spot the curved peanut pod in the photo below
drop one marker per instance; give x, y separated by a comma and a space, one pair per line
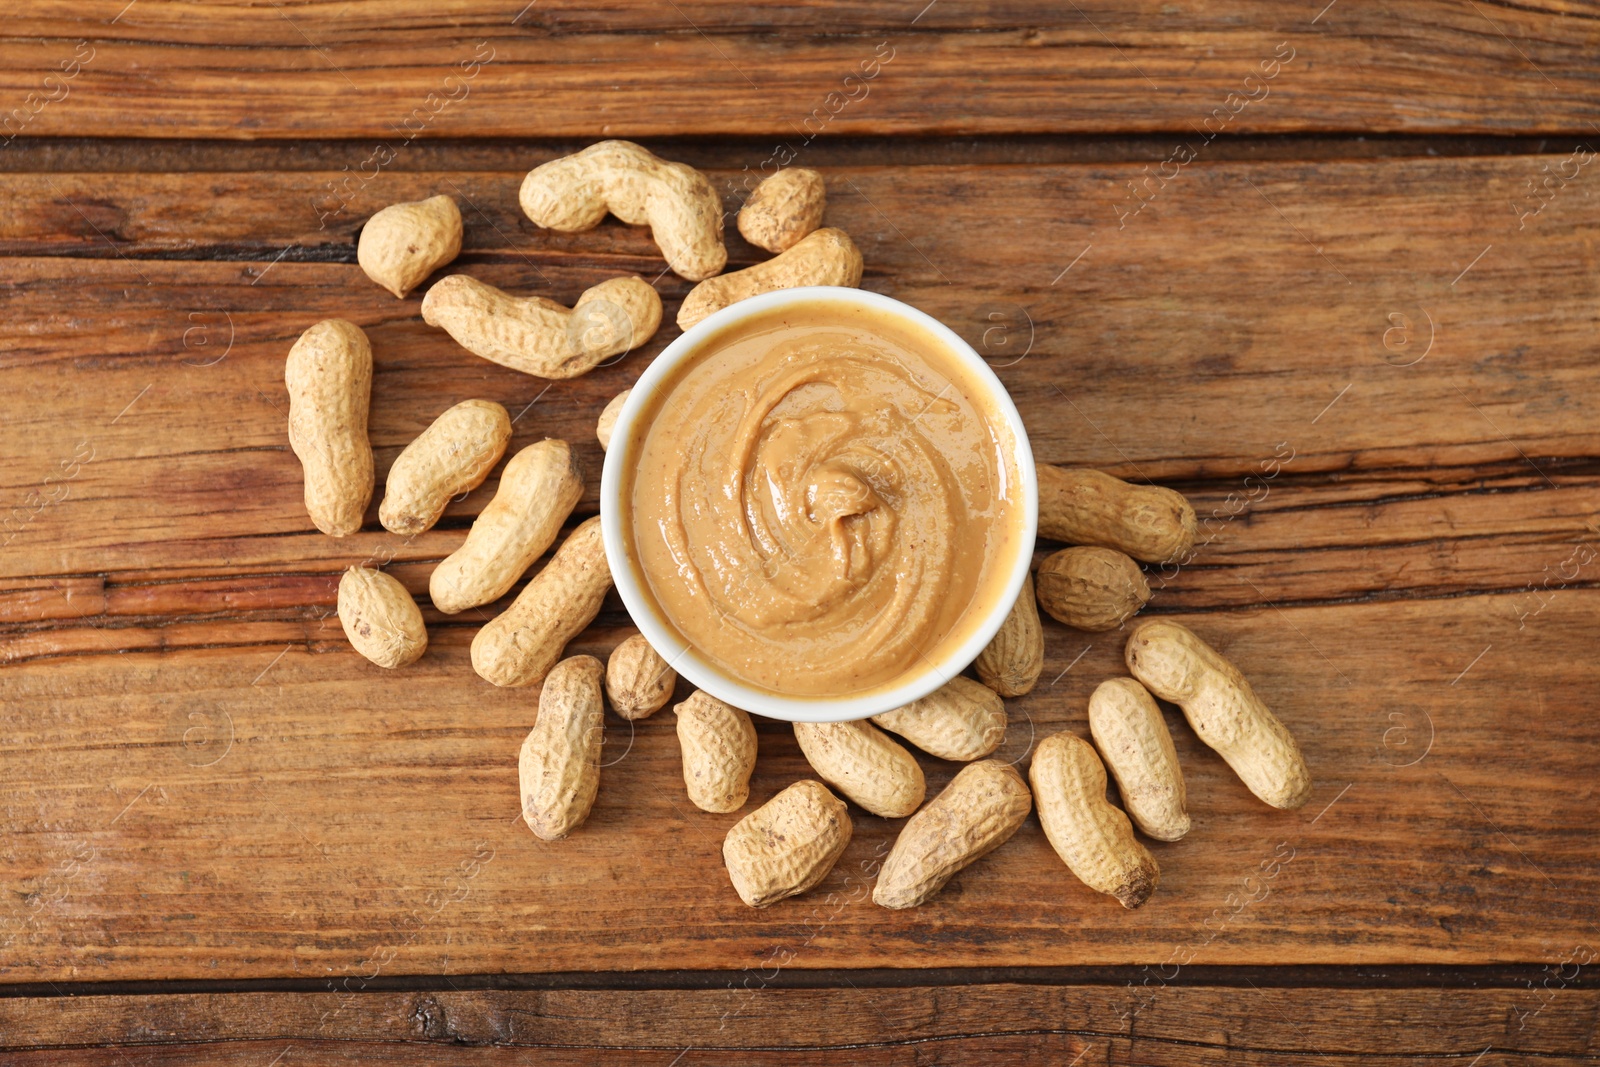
404, 243
521, 645
559, 765
783, 209
981, 808
961, 720
329, 375
825, 257
1225, 712
638, 681
608, 418
452, 456
1091, 588
787, 845
538, 490
1092, 837
676, 201
379, 617
1011, 662
538, 336
1132, 737
719, 752
865, 764
1085, 507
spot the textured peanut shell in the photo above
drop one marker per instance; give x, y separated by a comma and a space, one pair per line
559, 765
787, 845
608, 418
521, 645
719, 752
865, 764
452, 456
1092, 836
961, 720
1132, 737
538, 336
1085, 507
1091, 588
981, 808
825, 257
638, 681
676, 201
783, 209
404, 243
538, 490
379, 617
329, 375
1010, 663
1225, 712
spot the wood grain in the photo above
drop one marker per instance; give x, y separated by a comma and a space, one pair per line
160, 68
985, 1024
211, 814
199, 780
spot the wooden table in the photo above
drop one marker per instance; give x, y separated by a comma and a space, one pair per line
1329, 270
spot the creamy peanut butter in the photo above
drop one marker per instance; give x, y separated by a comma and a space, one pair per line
820, 503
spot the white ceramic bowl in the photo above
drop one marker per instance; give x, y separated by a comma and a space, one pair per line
665, 638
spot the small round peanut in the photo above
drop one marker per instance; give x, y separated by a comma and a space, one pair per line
1089, 588
783, 209
404, 243
379, 617
638, 681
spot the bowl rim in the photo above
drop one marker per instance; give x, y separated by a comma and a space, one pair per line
684, 658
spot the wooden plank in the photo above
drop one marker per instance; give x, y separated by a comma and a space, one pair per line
1198, 345
984, 1024
207, 814
159, 68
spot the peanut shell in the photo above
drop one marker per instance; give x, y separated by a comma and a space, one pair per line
865, 764
719, 752
784, 208
980, 810
961, 720
1085, 507
329, 376
379, 617
638, 681
1093, 838
1132, 737
825, 257
787, 845
404, 243
608, 418
1174, 664
1011, 662
521, 645
452, 456
1091, 588
559, 765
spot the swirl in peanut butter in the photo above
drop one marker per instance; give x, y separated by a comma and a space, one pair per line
819, 505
